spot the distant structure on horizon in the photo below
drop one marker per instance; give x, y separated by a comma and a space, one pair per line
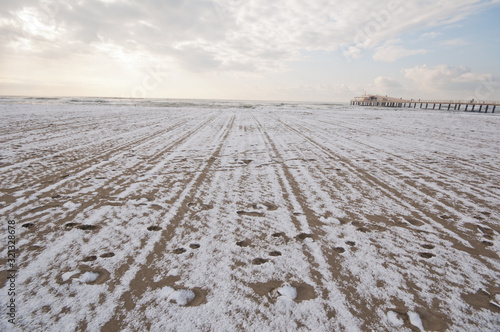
384, 101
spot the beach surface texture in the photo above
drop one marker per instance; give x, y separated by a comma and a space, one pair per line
158, 215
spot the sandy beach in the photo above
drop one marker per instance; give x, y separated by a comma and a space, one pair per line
249, 217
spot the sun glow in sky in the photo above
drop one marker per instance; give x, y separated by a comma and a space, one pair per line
253, 49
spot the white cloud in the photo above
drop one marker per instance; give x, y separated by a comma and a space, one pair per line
232, 35
456, 81
223, 38
430, 35
386, 82
442, 76
454, 42
391, 51
384, 85
470, 77
352, 52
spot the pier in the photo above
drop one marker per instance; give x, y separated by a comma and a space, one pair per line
457, 105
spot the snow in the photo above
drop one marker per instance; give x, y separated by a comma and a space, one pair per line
67, 275
287, 291
496, 301
350, 212
88, 277
415, 320
71, 205
394, 319
180, 296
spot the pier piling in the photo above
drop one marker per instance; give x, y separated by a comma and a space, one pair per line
381, 101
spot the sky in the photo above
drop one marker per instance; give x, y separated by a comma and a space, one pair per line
315, 50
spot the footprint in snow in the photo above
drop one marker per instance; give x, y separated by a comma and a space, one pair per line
199, 206
178, 296
87, 227
426, 255
259, 261
258, 209
250, 213
399, 318
264, 206
285, 290
70, 225
303, 236
89, 258
183, 296
244, 243
279, 234
487, 232
274, 290
83, 227
86, 275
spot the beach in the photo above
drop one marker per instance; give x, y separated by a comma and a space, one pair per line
158, 215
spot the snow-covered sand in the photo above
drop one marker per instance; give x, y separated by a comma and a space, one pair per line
230, 216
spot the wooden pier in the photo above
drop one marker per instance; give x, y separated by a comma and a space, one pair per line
458, 105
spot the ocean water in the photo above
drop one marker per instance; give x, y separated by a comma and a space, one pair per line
166, 102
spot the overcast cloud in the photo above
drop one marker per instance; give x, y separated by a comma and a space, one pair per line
102, 47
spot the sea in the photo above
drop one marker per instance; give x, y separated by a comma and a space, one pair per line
170, 103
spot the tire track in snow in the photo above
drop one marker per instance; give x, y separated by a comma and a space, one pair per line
50, 226
211, 267
362, 308
458, 142
69, 242
262, 185
450, 232
428, 193
84, 171
114, 148
370, 305
70, 132
61, 172
365, 303
408, 280
139, 276
411, 164
442, 154
336, 303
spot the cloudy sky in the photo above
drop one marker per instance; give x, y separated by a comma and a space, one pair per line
317, 50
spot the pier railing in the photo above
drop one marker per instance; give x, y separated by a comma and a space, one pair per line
467, 105
470, 102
